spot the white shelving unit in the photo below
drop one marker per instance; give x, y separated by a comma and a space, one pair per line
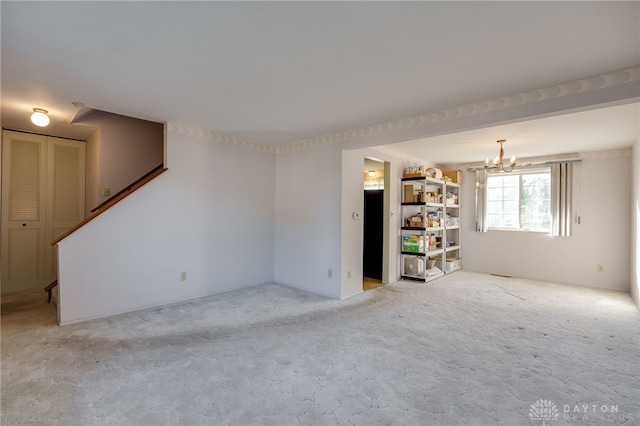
430, 232
453, 261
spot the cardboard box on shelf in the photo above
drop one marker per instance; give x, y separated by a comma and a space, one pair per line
454, 175
408, 193
412, 175
414, 221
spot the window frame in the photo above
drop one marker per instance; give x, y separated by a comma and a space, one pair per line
523, 171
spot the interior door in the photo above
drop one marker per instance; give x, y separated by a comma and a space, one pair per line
373, 234
65, 195
24, 194
43, 180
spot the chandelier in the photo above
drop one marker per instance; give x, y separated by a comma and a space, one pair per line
498, 163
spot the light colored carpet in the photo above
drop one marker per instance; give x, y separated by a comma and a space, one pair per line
467, 349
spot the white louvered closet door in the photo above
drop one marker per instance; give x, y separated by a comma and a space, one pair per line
65, 195
42, 181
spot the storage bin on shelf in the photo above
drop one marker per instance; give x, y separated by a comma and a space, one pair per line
413, 243
451, 264
413, 266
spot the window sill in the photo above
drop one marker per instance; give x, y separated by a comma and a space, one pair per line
529, 231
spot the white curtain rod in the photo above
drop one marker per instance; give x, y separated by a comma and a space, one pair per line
544, 163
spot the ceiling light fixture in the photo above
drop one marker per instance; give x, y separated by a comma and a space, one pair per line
371, 173
498, 163
40, 117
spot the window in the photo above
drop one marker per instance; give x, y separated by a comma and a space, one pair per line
520, 200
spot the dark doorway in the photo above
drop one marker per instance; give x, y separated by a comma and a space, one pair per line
373, 234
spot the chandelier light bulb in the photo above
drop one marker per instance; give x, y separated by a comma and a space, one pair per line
40, 117
498, 163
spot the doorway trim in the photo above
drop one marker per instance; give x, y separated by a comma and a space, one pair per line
386, 223
386, 220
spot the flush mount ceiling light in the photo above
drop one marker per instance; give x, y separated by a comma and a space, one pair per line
498, 163
40, 117
371, 173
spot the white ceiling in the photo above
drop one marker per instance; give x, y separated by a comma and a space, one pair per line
608, 128
279, 72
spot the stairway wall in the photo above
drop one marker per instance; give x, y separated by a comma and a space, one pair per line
210, 215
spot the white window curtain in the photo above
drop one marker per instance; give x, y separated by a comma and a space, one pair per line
481, 201
564, 177
562, 183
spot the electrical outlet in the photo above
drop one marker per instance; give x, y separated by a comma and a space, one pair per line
600, 268
330, 273
106, 191
348, 275
183, 276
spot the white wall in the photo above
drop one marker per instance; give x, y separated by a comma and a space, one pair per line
352, 230
352, 201
122, 150
232, 217
603, 237
337, 243
317, 192
211, 215
635, 218
307, 223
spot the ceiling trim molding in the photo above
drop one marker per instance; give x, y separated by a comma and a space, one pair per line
400, 155
599, 82
603, 81
208, 135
